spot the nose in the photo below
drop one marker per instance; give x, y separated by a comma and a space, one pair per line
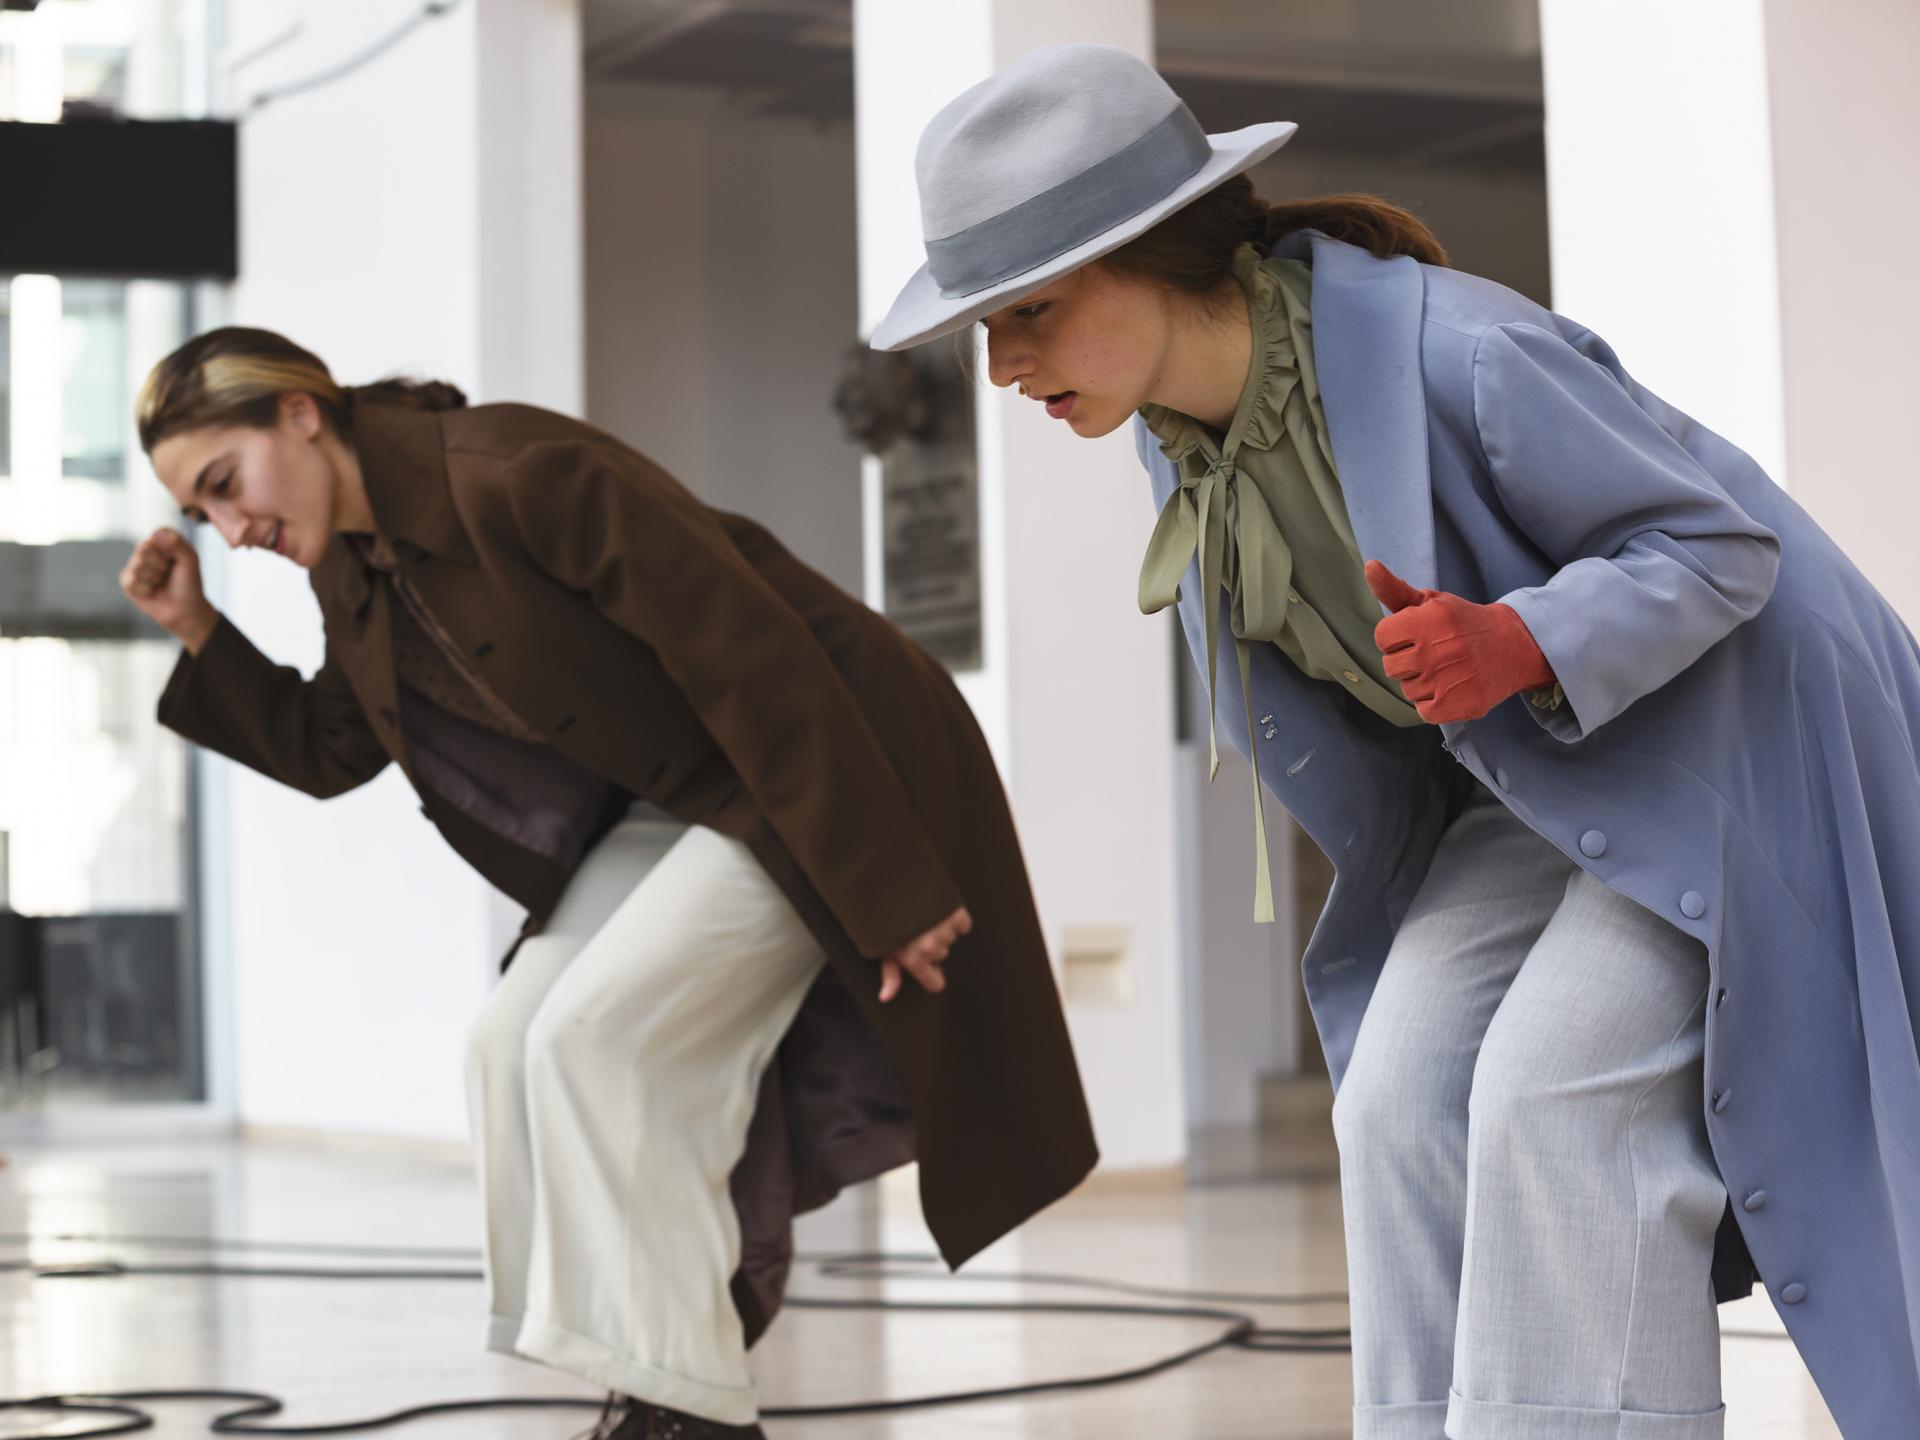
232, 527
1007, 363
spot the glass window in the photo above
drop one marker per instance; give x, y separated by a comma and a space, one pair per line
94, 398
94, 828
95, 73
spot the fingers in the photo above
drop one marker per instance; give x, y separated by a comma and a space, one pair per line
1389, 589
923, 958
926, 969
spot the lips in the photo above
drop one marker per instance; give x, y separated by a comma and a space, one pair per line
277, 541
1060, 405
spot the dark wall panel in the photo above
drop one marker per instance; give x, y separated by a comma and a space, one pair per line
147, 199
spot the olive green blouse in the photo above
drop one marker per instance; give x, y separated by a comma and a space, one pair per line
1262, 508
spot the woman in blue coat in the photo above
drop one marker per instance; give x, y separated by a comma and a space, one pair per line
1612, 748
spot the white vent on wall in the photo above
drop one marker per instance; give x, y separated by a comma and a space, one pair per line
1097, 965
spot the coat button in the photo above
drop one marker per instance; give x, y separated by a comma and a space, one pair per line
1720, 1100
1350, 677
388, 718
1500, 777
1794, 1293
1693, 904
485, 649
1756, 1201
1720, 997
1293, 597
563, 724
1593, 844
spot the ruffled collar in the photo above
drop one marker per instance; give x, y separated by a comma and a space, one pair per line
1258, 421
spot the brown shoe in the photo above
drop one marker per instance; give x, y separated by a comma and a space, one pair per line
632, 1419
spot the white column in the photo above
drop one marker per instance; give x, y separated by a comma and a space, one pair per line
1722, 180
1845, 113
419, 215
1660, 202
1077, 690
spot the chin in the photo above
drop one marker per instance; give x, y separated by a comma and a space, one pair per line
1092, 424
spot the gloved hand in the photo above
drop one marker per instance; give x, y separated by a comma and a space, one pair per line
1454, 659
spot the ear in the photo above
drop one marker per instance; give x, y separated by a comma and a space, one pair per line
300, 413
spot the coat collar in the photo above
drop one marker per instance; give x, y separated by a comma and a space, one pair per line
403, 461
1366, 340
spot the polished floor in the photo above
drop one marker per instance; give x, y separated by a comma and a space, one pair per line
1255, 1221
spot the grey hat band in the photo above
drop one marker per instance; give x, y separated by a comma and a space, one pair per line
1125, 184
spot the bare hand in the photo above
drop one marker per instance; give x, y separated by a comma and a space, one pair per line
162, 579
923, 958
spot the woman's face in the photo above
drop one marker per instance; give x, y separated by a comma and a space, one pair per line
273, 488
1090, 346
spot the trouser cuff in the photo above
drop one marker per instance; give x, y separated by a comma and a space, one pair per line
502, 1331
1483, 1420
1418, 1420
594, 1363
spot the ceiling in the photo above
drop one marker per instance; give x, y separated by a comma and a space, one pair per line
1455, 84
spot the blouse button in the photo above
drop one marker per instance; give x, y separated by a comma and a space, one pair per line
1293, 597
1350, 677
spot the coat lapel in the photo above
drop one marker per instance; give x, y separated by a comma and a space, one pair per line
403, 463
1366, 342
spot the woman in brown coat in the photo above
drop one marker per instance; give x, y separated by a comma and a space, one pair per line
737, 805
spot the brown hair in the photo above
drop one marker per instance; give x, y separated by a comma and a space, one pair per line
1192, 249
236, 376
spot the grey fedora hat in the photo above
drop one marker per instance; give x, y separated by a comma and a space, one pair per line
1065, 155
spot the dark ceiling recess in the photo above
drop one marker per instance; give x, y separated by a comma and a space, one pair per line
18, 4
794, 59
125, 198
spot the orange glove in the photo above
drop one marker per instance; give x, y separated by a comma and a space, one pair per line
1454, 659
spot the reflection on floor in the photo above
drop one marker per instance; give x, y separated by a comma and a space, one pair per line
337, 1351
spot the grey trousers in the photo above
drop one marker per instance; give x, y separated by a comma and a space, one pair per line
1529, 1194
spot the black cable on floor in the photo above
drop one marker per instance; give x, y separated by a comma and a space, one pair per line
1239, 1330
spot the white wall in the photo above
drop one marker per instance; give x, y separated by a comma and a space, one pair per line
721, 277
1660, 183
1845, 114
1077, 690
414, 216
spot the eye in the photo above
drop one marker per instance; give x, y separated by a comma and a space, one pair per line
222, 485
1033, 311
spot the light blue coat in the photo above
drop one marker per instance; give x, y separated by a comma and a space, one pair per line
1737, 754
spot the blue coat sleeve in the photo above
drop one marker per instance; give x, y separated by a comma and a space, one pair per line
1655, 561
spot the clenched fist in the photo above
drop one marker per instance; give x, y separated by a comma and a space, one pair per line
162, 579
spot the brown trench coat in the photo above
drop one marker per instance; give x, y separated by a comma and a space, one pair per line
686, 656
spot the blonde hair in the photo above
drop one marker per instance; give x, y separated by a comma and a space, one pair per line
236, 375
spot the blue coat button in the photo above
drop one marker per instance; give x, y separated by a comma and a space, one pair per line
1693, 904
1720, 1100
1756, 1201
1500, 777
1593, 844
1794, 1293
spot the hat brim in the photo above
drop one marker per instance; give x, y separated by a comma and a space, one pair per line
921, 313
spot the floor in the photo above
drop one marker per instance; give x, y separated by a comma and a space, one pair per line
1254, 1221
